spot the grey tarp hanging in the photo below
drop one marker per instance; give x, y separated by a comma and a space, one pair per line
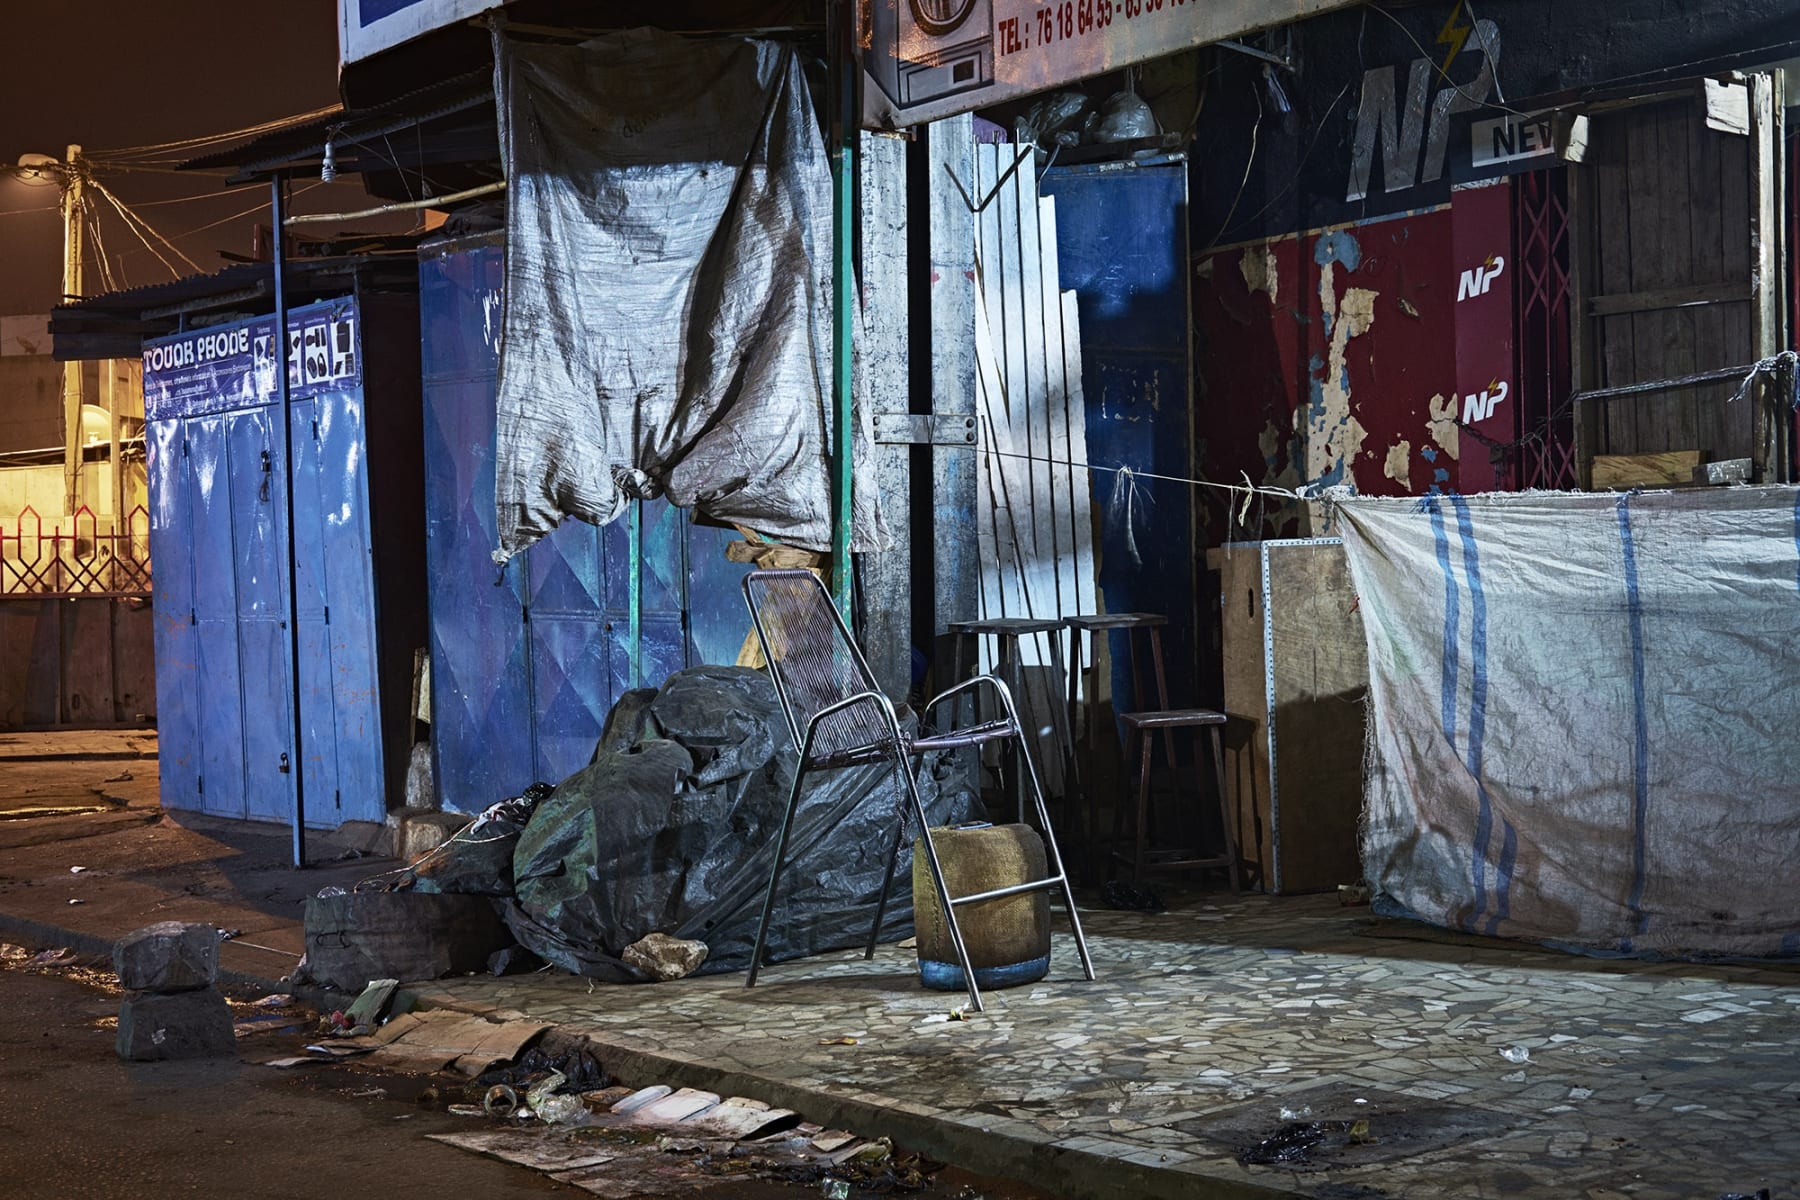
667, 321
1584, 715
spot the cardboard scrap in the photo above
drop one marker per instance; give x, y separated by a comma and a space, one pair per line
529, 1148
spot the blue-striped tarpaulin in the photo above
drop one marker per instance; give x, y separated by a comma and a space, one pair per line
1585, 715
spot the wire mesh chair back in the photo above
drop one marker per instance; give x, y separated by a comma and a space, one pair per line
814, 664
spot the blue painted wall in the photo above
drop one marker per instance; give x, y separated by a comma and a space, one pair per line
1121, 238
527, 660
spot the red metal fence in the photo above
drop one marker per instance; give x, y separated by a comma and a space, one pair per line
74, 556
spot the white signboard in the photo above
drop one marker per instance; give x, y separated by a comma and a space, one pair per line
927, 59
368, 27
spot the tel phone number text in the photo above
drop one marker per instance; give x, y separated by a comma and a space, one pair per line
1071, 19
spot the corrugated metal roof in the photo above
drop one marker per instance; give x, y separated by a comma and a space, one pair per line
355, 132
114, 325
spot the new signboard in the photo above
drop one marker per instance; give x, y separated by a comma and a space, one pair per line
368, 27
934, 58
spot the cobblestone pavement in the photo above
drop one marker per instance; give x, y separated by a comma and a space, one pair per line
1637, 1079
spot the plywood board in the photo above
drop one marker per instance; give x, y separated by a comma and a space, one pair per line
1674, 468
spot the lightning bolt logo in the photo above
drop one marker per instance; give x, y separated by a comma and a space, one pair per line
1454, 33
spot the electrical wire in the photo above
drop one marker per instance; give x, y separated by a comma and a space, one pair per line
22, 212
183, 147
1443, 72
1249, 162
133, 222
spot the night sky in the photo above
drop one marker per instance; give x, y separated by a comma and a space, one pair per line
115, 73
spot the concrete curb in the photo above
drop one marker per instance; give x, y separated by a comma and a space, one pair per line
1074, 1174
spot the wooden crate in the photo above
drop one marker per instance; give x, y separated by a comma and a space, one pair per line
1296, 674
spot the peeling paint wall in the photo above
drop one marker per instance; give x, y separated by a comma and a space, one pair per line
1324, 359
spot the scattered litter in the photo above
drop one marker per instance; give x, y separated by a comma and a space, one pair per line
1120, 893
835, 1189
62, 956
368, 1093
121, 777
1303, 1113
832, 1140
1580, 1093
1513, 1077
1516, 1054
1359, 1100
1291, 1144
225, 935
465, 1110
1757, 1195
911, 943
960, 1013
365, 1012
837, 1041
78, 902
76, 870
272, 1000
500, 1101
325, 893
1352, 895
1359, 1133
553, 1109
288, 1064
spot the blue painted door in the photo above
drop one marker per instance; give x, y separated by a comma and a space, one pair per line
219, 699
257, 477
178, 674
350, 630
318, 715
1121, 238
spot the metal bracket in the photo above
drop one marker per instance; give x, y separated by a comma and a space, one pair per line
923, 429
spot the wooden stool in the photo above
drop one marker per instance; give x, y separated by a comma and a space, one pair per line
1141, 730
1136, 626
1007, 632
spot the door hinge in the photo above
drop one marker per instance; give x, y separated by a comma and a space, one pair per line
192, 618
200, 785
328, 614
337, 799
925, 429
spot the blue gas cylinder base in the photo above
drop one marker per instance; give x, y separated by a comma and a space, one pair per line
948, 977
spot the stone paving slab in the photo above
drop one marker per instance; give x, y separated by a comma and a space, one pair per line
1644, 1080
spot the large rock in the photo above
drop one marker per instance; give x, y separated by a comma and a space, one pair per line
169, 956
158, 1026
663, 958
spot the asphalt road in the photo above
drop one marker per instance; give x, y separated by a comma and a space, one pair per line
78, 1124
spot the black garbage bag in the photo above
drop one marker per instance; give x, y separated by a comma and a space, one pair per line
672, 829
478, 861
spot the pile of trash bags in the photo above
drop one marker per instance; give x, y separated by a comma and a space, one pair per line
671, 829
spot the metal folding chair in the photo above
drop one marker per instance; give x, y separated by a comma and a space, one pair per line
839, 717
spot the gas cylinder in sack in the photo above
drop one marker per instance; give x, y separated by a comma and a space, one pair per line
1008, 939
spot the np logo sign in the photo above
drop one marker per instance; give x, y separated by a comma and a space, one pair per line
1482, 404
1477, 281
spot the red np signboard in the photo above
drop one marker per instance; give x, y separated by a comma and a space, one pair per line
1481, 243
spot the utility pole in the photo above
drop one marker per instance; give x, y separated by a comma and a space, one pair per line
74, 233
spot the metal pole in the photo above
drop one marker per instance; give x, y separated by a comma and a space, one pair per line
843, 285
74, 233
290, 594
634, 602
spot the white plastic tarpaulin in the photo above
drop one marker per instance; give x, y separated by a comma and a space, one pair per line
667, 320
1585, 715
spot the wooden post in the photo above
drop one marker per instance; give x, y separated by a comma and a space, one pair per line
884, 363
950, 147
